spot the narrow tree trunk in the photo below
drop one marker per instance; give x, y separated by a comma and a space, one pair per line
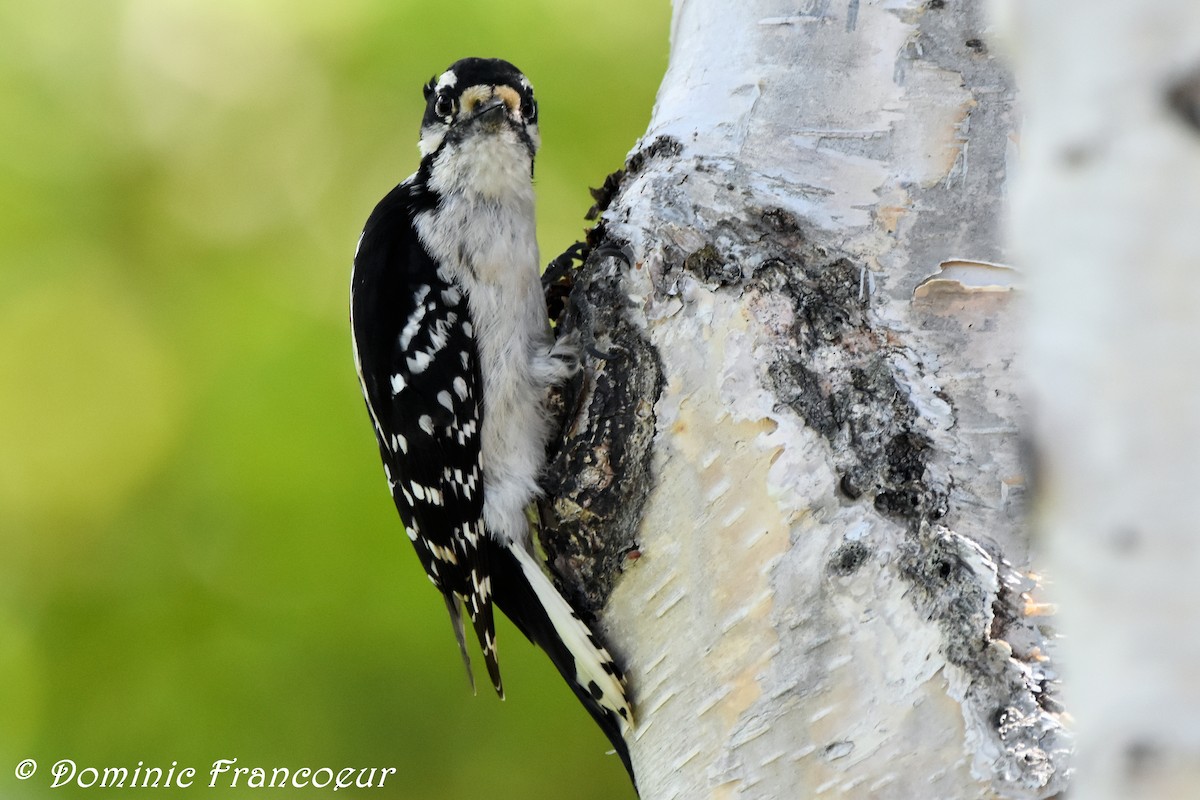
1108, 217
792, 483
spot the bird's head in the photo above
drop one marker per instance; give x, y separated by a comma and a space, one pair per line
479, 114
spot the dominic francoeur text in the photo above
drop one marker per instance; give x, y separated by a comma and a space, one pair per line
224, 772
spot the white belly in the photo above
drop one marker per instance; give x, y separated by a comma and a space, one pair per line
489, 247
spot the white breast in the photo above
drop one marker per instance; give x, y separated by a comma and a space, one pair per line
483, 233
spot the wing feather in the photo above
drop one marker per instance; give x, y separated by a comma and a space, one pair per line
419, 368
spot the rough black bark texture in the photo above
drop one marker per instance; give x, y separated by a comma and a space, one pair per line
599, 474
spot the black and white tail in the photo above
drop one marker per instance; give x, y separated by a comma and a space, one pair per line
530, 600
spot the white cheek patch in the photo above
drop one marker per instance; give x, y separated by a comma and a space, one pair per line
432, 136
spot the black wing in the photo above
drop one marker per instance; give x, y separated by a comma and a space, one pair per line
419, 368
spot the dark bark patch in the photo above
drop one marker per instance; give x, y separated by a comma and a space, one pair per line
662, 146
847, 559
948, 590
598, 475
1183, 98
603, 196
1142, 758
712, 268
781, 222
849, 488
836, 750
839, 370
838, 376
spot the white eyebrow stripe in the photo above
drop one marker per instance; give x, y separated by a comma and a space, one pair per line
448, 80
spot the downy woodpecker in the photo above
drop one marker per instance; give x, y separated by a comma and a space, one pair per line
455, 355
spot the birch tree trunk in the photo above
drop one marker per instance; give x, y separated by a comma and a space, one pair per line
1109, 217
792, 483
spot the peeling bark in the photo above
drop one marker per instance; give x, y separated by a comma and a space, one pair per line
806, 344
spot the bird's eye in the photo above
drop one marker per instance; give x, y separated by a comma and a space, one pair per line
444, 105
529, 110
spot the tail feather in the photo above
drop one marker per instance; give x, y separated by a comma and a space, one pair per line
530, 600
479, 609
455, 609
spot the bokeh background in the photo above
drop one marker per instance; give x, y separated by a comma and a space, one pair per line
198, 556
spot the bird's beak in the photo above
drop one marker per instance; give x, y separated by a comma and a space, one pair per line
489, 107
490, 114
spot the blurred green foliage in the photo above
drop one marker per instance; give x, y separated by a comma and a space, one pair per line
199, 558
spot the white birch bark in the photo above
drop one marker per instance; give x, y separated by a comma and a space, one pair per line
1108, 220
832, 596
